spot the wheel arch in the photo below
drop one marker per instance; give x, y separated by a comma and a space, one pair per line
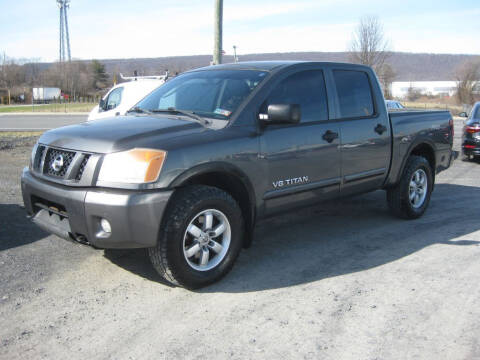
229, 178
424, 148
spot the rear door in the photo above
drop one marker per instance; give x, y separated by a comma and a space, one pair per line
303, 160
365, 144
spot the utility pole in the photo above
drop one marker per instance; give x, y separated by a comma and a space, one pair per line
235, 59
217, 49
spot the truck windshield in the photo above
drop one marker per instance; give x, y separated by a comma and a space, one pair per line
212, 93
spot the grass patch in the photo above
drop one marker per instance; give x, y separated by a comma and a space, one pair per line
60, 108
10, 140
455, 109
19, 134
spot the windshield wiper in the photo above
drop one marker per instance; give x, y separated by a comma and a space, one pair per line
190, 114
139, 110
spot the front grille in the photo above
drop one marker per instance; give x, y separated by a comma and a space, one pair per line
82, 167
37, 161
57, 162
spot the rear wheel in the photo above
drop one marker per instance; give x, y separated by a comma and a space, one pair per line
410, 197
200, 238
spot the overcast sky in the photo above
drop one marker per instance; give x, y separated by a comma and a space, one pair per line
155, 28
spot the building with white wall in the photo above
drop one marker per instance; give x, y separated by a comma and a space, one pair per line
446, 88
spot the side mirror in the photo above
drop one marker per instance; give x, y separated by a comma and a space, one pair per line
101, 105
282, 114
463, 114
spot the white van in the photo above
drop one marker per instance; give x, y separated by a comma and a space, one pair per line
122, 97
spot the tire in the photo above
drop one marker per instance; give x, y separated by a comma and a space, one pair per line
398, 197
184, 233
468, 157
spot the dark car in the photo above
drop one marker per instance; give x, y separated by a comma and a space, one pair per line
197, 163
471, 133
394, 105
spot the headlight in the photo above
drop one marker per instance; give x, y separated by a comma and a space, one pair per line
134, 166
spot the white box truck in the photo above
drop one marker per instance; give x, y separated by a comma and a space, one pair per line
45, 94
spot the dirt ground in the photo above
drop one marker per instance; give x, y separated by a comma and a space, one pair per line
343, 280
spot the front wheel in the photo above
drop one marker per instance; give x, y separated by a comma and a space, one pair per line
201, 237
410, 197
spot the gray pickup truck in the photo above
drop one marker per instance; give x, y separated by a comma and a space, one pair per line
191, 169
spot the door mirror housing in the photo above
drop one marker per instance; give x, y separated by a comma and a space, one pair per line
101, 105
463, 114
282, 114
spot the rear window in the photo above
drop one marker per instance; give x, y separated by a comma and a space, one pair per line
354, 93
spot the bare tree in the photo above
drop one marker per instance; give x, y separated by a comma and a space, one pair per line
368, 45
386, 75
12, 76
468, 78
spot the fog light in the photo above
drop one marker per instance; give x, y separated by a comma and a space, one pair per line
105, 226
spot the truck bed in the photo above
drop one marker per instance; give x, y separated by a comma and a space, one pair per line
408, 129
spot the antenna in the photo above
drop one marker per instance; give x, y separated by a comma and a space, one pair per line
63, 5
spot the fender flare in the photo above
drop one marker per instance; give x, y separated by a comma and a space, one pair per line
413, 145
229, 169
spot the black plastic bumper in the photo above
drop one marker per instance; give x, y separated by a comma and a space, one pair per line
75, 213
471, 150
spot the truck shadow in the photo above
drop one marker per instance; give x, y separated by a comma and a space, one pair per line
338, 238
135, 261
16, 229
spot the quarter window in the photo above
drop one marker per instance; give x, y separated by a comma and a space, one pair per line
305, 88
354, 93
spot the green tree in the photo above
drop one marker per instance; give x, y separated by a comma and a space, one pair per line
100, 76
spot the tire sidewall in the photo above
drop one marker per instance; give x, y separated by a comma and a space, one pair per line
416, 164
182, 270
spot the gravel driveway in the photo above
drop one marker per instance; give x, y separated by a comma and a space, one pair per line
341, 280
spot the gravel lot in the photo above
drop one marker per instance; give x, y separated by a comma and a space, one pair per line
341, 280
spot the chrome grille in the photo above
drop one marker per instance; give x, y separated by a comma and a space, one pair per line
81, 169
53, 157
56, 163
37, 161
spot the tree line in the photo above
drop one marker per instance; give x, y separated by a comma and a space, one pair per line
75, 79
368, 46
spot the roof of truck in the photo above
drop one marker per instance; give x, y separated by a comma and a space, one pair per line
268, 65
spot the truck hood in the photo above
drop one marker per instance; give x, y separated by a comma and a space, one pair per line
120, 133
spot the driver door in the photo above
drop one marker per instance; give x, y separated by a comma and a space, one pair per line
302, 160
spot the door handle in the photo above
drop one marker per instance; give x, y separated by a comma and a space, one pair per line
329, 136
380, 129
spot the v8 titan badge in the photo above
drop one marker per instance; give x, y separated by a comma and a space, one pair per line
292, 181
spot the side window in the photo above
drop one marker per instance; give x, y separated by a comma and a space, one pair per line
114, 99
305, 88
354, 93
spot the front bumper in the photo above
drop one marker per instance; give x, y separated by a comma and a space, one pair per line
75, 213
